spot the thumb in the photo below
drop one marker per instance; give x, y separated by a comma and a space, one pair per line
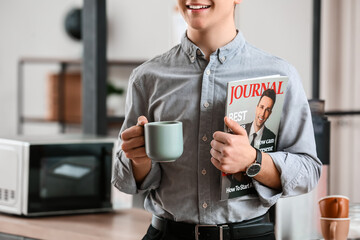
234, 126
142, 120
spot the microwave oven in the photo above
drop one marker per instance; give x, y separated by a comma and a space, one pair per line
62, 174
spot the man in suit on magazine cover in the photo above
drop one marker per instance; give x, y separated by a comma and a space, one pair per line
260, 136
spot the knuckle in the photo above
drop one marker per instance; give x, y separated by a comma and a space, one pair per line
222, 160
122, 135
124, 147
228, 141
225, 152
214, 135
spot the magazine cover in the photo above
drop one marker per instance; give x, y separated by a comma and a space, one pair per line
256, 104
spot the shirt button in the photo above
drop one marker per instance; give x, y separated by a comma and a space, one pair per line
198, 52
206, 104
203, 172
208, 72
192, 58
204, 205
222, 59
204, 138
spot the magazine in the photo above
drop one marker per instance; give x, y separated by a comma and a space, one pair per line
255, 104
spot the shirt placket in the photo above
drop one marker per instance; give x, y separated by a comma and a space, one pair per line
205, 137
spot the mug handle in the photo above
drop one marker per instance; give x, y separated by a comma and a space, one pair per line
333, 230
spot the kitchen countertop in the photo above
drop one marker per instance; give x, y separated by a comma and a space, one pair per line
128, 224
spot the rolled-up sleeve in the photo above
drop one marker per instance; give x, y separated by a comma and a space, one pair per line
123, 177
295, 158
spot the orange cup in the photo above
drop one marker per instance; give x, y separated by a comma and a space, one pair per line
334, 206
335, 228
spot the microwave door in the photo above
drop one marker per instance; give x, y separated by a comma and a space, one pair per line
69, 177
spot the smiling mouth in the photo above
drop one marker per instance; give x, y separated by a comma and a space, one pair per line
197, 7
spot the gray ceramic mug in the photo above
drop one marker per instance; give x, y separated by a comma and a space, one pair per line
164, 140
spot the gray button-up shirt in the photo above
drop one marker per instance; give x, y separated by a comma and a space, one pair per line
182, 85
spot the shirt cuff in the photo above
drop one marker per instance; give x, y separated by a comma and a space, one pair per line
267, 196
292, 172
124, 180
291, 176
152, 180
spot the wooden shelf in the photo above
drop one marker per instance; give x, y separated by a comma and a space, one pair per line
69, 61
64, 63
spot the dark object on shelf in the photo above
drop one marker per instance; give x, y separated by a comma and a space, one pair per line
321, 130
111, 89
73, 23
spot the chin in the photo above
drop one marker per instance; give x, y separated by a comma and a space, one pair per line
197, 25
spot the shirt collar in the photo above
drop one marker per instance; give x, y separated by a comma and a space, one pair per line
258, 133
192, 51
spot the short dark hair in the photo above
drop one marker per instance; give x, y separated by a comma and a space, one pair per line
269, 93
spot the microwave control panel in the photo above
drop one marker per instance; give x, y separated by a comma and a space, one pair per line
9, 171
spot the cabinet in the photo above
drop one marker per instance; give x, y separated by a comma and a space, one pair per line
60, 108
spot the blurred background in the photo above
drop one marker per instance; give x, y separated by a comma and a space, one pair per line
38, 41
34, 36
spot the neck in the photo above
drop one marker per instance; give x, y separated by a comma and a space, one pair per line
256, 128
212, 39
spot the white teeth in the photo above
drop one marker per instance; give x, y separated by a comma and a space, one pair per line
195, 7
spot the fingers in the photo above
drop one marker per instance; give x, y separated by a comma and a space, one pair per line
221, 137
215, 154
216, 163
133, 143
223, 166
136, 153
132, 132
142, 120
134, 148
135, 131
133, 140
215, 144
235, 127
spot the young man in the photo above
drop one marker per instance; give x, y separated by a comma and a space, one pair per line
188, 83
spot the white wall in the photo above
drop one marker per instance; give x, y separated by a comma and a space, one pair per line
29, 28
283, 28
137, 30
